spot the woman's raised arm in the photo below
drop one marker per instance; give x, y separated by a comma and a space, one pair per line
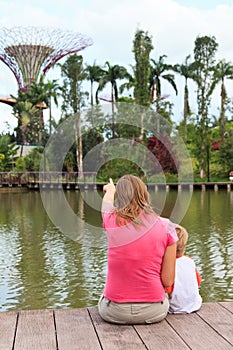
109, 192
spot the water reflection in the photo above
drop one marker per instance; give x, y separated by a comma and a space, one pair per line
209, 222
43, 268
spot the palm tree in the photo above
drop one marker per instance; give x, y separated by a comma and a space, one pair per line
44, 92
111, 75
223, 70
129, 83
94, 74
186, 70
157, 73
29, 127
8, 151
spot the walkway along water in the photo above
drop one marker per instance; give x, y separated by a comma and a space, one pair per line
86, 180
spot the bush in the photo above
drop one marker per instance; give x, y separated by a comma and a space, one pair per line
116, 168
33, 159
20, 164
218, 172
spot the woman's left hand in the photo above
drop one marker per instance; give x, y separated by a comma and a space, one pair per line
109, 187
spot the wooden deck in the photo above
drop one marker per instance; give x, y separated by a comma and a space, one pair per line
83, 329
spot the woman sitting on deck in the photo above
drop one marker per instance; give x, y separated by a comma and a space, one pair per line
141, 255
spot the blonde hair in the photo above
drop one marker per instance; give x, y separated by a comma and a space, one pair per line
183, 238
131, 199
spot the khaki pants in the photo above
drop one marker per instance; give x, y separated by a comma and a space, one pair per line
132, 313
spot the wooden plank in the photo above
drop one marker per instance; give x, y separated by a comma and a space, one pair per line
115, 337
228, 305
197, 334
218, 318
75, 330
160, 336
8, 322
35, 331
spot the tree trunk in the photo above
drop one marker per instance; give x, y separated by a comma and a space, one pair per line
186, 110
78, 139
222, 113
203, 138
113, 114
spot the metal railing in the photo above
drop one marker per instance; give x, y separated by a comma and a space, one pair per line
48, 177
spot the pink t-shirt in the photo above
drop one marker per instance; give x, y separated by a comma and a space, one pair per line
135, 257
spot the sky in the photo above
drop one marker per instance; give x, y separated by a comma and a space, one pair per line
172, 24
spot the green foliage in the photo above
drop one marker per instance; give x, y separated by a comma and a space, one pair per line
145, 81
20, 164
226, 153
222, 71
70, 163
2, 157
8, 151
73, 74
204, 55
116, 168
142, 46
93, 74
29, 110
74, 99
33, 159
217, 172
110, 75
160, 70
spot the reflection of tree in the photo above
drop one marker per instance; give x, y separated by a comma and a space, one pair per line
11, 284
27, 218
50, 269
47, 268
221, 223
76, 268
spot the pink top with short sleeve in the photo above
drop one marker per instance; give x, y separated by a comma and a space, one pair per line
135, 257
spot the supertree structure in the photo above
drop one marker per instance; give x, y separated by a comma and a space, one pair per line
30, 51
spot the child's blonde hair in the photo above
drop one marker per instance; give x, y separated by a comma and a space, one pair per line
183, 238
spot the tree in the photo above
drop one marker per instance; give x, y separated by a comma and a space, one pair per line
33, 159
29, 128
142, 46
74, 74
186, 70
226, 153
128, 84
44, 92
158, 71
8, 151
222, 71
29, 108
94, 74
204, 56
111, 75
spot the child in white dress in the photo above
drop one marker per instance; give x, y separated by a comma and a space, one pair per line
184, 296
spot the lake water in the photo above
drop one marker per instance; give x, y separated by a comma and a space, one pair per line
43, 267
